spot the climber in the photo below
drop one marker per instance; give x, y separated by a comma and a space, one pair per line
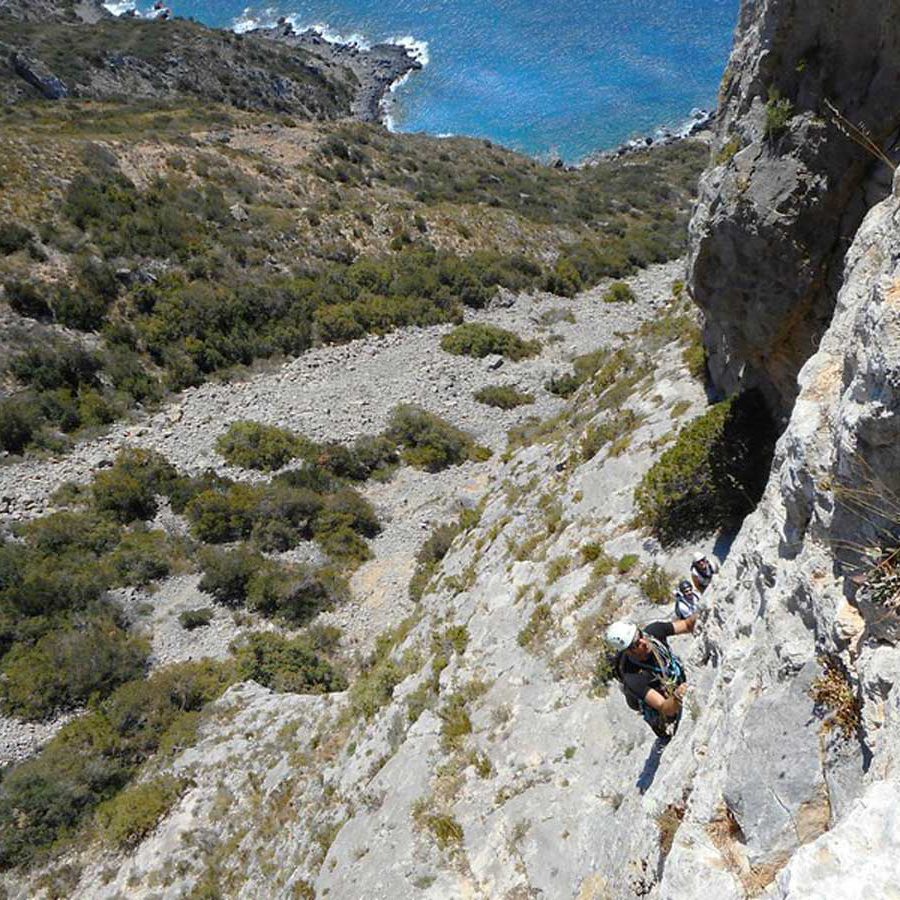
652, 676
686, 600
702, 570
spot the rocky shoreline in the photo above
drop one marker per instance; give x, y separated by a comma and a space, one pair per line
378, 68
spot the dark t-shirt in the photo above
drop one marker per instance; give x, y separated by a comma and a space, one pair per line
638, 681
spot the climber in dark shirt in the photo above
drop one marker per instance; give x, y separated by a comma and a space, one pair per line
650, 673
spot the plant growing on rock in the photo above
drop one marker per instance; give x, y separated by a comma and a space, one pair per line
713, 475
287, 665
833, 693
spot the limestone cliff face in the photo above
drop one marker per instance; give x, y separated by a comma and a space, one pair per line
786, 192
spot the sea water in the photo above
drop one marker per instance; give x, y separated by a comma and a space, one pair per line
549, 78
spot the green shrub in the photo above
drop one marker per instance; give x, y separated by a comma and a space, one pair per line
429, 557
56, 364
627, 563
131, 815
293, 593
537, 627
227, 574
141, 557
217, 517
28, 299
619, 292
611, 430
20, 419
67, 667
128, 490
253, 445
657, 584
455, 721
14, 237
478, 340
563, 385
430, 442
503, 396
190, 619
286, 665
779, 112
92, 758
713, 475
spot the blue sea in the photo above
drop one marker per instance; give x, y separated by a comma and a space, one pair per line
549, 78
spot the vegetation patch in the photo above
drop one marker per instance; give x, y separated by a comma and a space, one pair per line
538, 626
619, 292
502, 396
833, 694
256, 446
284, 664
656, 584
473, 339
713, 475
130, 816
429, 442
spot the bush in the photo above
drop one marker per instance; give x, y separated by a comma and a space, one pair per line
141, 557
130, 816
779, 112
479, 341
28, 300
253, 445
217, 517
67, 667
287, 665
430, 442
190, 619
713, 475
20, 419
619, 292
503, 396
657, 584
93, 757
14, 237
293, 593
227, 574
56, 364
128, 490
429, 557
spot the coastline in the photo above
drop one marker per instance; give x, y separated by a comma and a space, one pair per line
380, 69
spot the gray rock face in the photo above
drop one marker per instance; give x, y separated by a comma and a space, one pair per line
40, 77
787, 190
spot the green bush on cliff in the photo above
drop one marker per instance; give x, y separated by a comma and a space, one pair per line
713, 475
130, 816
287, 665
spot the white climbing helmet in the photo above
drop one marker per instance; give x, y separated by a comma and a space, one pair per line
621, 635
698, 557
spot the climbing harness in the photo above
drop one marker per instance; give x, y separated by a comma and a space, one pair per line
670, 670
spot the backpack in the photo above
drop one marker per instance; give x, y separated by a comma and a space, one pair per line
673, 669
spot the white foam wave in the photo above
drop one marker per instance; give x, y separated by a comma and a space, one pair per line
119, 8
416, 48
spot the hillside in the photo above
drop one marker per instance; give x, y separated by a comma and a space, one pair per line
334, 452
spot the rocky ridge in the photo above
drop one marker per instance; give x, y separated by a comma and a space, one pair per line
784, 175
164, 60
